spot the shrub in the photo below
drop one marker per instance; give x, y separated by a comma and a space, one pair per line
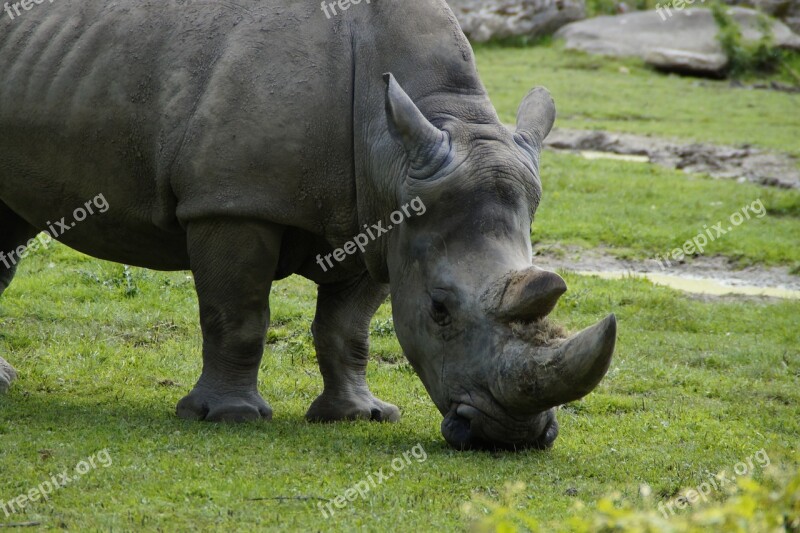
772, 506
746, 58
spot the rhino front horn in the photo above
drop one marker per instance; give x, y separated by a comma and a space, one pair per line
533, 379
526, 295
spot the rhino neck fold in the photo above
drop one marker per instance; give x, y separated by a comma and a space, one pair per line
440, 77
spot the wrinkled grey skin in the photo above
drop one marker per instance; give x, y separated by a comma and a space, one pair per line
241, 140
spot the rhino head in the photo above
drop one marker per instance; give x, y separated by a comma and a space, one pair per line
469, 307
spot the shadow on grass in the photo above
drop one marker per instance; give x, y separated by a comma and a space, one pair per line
42, 419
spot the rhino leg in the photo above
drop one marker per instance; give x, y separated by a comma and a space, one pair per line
14, 232
341, 337
234, 264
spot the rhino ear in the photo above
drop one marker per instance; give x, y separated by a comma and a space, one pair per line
427, 147
535, 119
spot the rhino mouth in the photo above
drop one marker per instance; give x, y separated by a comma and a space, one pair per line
536, 368
466, 427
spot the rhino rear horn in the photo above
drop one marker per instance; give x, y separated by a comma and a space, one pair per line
535, 119
427, 147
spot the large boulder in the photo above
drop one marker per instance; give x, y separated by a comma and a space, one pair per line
683, 41
500, 19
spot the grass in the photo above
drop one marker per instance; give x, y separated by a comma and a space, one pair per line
105, 353
642, 210
598, 93
103, 370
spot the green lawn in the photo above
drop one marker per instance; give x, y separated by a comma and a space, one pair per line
105, 354
641, 210
593, 92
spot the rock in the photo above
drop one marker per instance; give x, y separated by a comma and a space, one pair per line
499, 19
7, 375
683, 41
794, 22
682, 61
786, 10
723, 162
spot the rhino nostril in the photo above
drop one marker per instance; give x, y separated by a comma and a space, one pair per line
456, 430
548, 436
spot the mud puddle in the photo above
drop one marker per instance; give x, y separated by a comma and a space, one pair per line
744, 163
710, 276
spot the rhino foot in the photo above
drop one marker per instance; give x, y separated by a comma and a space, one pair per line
210, 406
364, 406
7, 375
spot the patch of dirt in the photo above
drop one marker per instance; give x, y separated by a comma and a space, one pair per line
553, 257
744, 163
771, 86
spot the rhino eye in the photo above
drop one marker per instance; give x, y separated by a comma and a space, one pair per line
439, 312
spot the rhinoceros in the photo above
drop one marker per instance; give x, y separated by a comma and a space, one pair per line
249, 141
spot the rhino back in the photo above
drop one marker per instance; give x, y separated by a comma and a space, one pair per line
174, 110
